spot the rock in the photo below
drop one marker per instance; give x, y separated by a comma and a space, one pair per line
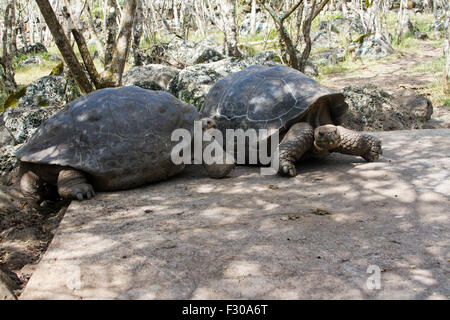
33, 60
20, 124
421, 35
325, 25
33, 48
375, 47
320, 39
193, 83
266, 58
6, 287
372, 109
52, 57
437, 26
206, 55
49, 90
419, 106
311, 69
151, 76
260, 24
329, 57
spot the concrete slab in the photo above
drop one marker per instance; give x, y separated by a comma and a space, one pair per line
326, 234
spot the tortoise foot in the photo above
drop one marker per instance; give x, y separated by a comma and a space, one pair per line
72, 184
287, 168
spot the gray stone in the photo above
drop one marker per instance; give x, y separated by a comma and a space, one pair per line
151, 76
417, 105
20, 124
265, 58
49, 90
33, 60
193, 83
375, 47
33, 48
372, 109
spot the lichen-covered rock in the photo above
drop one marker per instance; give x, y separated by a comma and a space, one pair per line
31, 61
372, 109
18, 125
49, 90
151, 76
375, 47
418, 105
193, 83
260, 24
265, 58
33, 48
328, 57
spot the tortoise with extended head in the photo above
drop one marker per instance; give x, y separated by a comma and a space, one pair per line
306, 115
110, 139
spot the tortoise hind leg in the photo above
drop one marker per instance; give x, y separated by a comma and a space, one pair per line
34, 189
72, 184
295, 143
359, 144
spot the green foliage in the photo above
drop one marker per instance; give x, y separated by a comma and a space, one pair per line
435, 66
58, 69
12, 99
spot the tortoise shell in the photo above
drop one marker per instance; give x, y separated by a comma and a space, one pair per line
120, 137
262, 97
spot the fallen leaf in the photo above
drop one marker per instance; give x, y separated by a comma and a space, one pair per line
320, 212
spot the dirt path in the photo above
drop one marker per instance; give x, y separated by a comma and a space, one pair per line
391, 75
321, 235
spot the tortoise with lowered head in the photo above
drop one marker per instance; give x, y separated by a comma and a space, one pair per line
110, 139
306, 114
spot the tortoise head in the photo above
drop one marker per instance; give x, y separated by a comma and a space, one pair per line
207, 123
327, 137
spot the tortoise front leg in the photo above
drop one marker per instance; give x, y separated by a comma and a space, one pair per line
295, 143
72, 184
359, 144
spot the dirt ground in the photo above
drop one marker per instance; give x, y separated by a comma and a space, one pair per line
395, 75
26, 234
328, 233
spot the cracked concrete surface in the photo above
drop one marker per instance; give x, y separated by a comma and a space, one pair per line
266, 237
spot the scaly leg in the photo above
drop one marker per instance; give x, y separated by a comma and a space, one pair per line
359, 144
295, 143
72, 184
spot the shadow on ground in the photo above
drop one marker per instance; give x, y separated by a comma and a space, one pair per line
265, 237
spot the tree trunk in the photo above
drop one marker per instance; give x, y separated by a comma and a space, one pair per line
7, 75
110, 30
137, 33
230, 28
82, 47
64, 46
113, 74
446, 79
253, 18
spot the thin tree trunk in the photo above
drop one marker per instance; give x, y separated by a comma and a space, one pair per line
446, 79
230, 28
253, 18
6, 60
114, 72
111, 30
64, 46
82, 47
137, 33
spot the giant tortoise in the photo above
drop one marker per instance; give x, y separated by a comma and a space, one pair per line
305, 114
110, 139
